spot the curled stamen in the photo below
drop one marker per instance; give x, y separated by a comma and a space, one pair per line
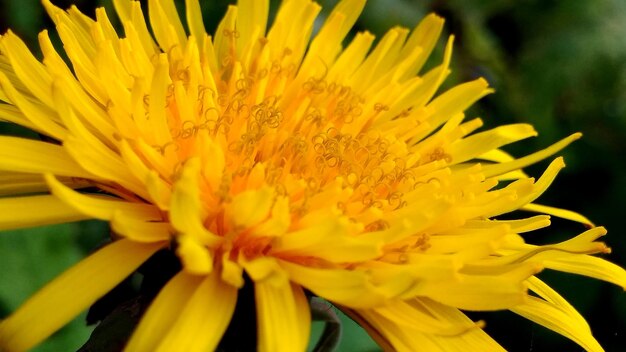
331, 160
222, 127
434, 181
368, 198
416, 185
184, 75
320, 163
189, 129
345, 167
352, 179
202, 91
332, 145
312, 184
231, 33
262, 74
161, 149
331, 87
378, 225
395, 199
332, 132
280, 189
378, 107
276, 67
222, 100
235, 146
318, 138
319, 148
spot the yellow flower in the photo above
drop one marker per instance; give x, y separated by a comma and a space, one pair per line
296, 162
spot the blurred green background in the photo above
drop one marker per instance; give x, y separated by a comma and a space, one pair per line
558, 64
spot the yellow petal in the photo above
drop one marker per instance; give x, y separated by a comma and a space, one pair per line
481, 292
378, 334
582, 242
16, 183
251, 21
425, 36
250, 207
480, 143
27, 68
547, 293
51, 58
10, 113
327, 43
157, 188
518, 251
138, 230
21, 212
194, 20
105, 29
283, 316
292, 29
195, 257
463, 239
266, 269
456, 100
114, 78
558, 212
158, 162
68, 93
157, 122
131, 16
186, 210
212, 153
163, 312
555, 319
72, 292
92, 153
204, 318
224, 38
347, 287
528, 224
330, 238
81, 51
232, 272
42, 117
123, 9
590, 266
351, 58
25, 155
497, 156
278, 222
166, 25
525, 194
394, 335
416, 314
502, 168
374, 72
100, 207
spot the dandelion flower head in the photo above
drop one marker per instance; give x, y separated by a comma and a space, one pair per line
268, 154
